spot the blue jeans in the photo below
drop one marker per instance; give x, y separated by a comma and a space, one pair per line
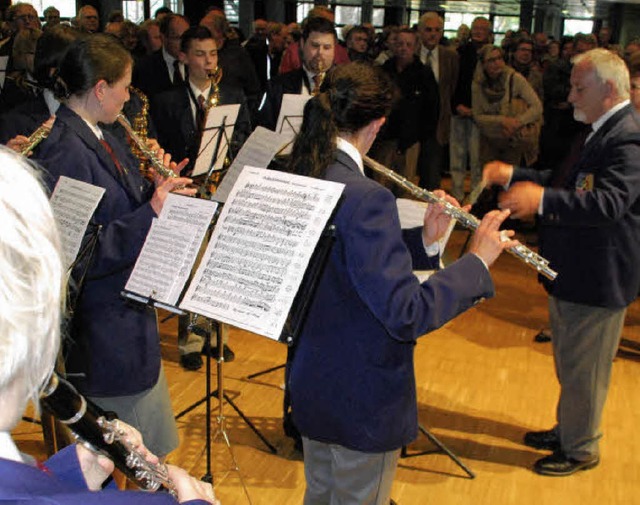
464, 146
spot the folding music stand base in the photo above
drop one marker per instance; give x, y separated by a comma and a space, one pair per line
442, 448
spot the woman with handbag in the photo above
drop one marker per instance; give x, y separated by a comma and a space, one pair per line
506, 109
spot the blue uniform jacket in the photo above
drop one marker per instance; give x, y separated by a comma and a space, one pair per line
352, 377
114, 347
65, 484
590, 227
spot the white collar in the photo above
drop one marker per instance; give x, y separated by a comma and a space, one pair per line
595, 126
197, 91
350, 150
167, 57
8, 449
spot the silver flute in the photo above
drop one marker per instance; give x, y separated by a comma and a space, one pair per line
466, 219
156, 162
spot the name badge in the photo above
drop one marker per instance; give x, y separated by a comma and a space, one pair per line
584, 183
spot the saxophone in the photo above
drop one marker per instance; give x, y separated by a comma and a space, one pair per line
41, 133
466, 219
215, 76
89, 424
141, 127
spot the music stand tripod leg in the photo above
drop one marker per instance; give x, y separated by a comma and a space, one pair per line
443, 448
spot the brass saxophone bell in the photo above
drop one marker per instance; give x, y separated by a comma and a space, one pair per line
214, 97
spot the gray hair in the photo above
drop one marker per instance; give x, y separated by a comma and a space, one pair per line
430, 15
32, 280
608, 67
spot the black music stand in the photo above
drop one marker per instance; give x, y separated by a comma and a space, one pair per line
440, 448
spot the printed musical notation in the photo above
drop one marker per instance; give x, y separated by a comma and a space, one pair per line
260, 249
73, 203
258, 151
171, 248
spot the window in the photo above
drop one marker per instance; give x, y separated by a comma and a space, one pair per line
573, 26
67, 8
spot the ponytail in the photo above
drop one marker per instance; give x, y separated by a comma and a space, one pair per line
315, 144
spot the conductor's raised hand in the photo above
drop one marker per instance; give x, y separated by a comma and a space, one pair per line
436, 222
497, 173
488, 241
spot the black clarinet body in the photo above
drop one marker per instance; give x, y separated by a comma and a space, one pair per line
90, 425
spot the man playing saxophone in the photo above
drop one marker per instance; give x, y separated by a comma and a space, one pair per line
180, 115
32, 282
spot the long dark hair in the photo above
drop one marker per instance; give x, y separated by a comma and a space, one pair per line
89, 60
352, 96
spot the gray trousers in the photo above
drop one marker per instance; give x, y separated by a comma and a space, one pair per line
339, 476
585, 341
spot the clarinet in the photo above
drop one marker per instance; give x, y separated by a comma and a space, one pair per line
89, 424
469, 221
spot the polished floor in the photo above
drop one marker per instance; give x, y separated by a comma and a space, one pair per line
482, 382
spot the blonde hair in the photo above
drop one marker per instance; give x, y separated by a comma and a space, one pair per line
32, 279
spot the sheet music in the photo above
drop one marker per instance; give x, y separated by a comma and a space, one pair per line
257, 151
260, 248
4, 61
290, 118
411, 214
171, 248
73, 203
212, 130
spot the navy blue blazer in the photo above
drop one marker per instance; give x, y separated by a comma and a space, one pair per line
114, 349
24, 119
176, 126
590, 227
65, 484
352, 376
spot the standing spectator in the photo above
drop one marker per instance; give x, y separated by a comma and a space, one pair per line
634, 71
357, 42
238, 71
463, 145
150, 36
445, 66
21, 16
51, 17
506, 132
88, 19
163, 69
632, 46
267, 54
522, 62
414, 116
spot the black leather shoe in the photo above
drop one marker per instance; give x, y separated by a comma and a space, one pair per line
546, 440
543, 336
191, 361
559, 465
227, 353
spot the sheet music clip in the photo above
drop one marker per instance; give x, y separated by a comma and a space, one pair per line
150, 302
308, 286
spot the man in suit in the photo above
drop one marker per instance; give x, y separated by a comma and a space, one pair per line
444, 64
30, 338
161, 70
179, 116
318, 44
88, 19
590, 224
266, 54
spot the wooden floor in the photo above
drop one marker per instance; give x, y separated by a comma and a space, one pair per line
482, 382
